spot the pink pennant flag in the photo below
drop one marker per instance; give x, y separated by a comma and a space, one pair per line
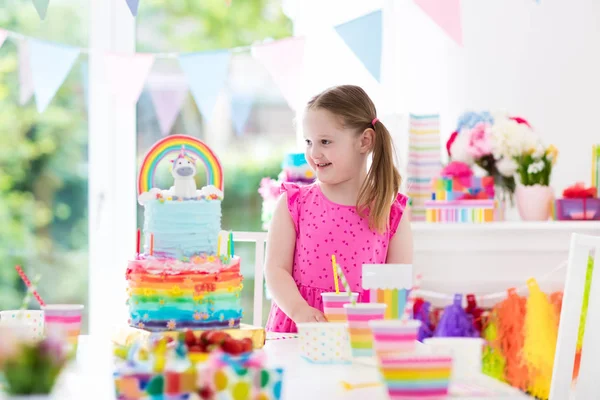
167, 104
284, 60
446, 14
126, 75
3, 36
25, 77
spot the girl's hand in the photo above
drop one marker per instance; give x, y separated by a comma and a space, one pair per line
308, 314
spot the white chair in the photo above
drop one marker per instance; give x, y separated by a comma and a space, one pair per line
589, 374
260, 239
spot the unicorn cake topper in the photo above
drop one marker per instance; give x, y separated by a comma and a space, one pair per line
184, 170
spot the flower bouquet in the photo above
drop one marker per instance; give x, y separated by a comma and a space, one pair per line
493, 143
29, 368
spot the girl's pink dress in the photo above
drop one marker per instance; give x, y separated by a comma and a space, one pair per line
324, 228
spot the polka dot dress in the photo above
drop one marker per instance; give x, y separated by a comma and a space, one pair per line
324, 228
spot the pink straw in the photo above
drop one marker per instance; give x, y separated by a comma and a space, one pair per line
410, 301
28, 284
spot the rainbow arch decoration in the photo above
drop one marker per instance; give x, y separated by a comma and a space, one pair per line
172, 145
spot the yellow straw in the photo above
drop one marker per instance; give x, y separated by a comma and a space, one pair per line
335, 275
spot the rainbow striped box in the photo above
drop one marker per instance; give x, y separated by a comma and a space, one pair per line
392, 337
461, 211
416, 376
388, 284
359, 315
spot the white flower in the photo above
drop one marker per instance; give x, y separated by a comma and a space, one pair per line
539, 151
506, 166
535, 167
460, 148
510, 139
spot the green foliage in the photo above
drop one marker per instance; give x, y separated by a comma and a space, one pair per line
43, 178
534, 170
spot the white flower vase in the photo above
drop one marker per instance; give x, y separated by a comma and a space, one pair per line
534, 202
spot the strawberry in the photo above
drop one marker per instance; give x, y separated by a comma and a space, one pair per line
196, 349
190, 338
247, 345
204, 337
217, 337
205, 393
233, 347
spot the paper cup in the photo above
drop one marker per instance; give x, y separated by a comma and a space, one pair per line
333, 305
359, 315
392, 336
63, 321
27, 324
416, 376
466, 353
324, 343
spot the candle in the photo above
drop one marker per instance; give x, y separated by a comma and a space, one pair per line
231, 250
219, 245
137, 244
152, 244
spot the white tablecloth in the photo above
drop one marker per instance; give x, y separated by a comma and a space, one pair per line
90, 377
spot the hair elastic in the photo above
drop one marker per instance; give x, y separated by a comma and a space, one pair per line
374, 121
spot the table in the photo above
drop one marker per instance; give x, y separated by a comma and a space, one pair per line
91, 375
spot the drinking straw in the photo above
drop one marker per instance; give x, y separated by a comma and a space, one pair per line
345, 283
335, 274
29, 285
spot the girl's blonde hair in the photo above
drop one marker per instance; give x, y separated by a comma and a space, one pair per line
357, 112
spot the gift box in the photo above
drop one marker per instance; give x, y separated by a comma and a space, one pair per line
132, 385
244, 377
579, 203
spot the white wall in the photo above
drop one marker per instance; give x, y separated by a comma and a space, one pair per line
540, 61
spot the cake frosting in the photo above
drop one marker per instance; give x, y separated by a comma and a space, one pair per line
187, 276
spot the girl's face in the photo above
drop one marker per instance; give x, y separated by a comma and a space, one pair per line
335, 153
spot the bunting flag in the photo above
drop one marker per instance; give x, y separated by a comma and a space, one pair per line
133, 6
25, 80
85, 82
3, 36
241, 106
50, 65
446, 14
284, 60
206, 74
167, 104
363, 36
41, 6
126, 75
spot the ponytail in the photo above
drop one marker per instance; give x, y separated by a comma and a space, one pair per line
382, 184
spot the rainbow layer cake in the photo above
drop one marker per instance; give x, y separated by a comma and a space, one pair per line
187, 276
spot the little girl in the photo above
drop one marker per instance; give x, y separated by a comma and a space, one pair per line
351, 212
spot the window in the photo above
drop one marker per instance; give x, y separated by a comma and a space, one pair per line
43, 162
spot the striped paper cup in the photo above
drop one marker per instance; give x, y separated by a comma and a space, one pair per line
392, 336
359, 315
416, 376
333, 305
63, 321
324, 343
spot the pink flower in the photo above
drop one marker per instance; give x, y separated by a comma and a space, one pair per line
450, 142
480, 143
460, 171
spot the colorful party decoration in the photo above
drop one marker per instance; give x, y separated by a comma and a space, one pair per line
50, 65
511, 319
446, 14
41, 6
493, 362
133, 6
363, 36
284, 61
126, 75
455, 321
167, 104
206, 73
241, 107
172, 145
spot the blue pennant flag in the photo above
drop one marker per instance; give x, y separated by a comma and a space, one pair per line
241, 106
41, 6
133, 6
364, 37
206, 74
50, 65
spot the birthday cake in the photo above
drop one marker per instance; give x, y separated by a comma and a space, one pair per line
187, 276
294, 168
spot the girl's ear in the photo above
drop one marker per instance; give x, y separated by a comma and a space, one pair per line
367, 140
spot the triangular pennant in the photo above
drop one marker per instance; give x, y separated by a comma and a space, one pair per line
41, 6
126, 74
446, 14
25, 80
167, 104
284, 60
85, 82
206, 74
50, 65
364, 37
241, 106
3, 36
133, 6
